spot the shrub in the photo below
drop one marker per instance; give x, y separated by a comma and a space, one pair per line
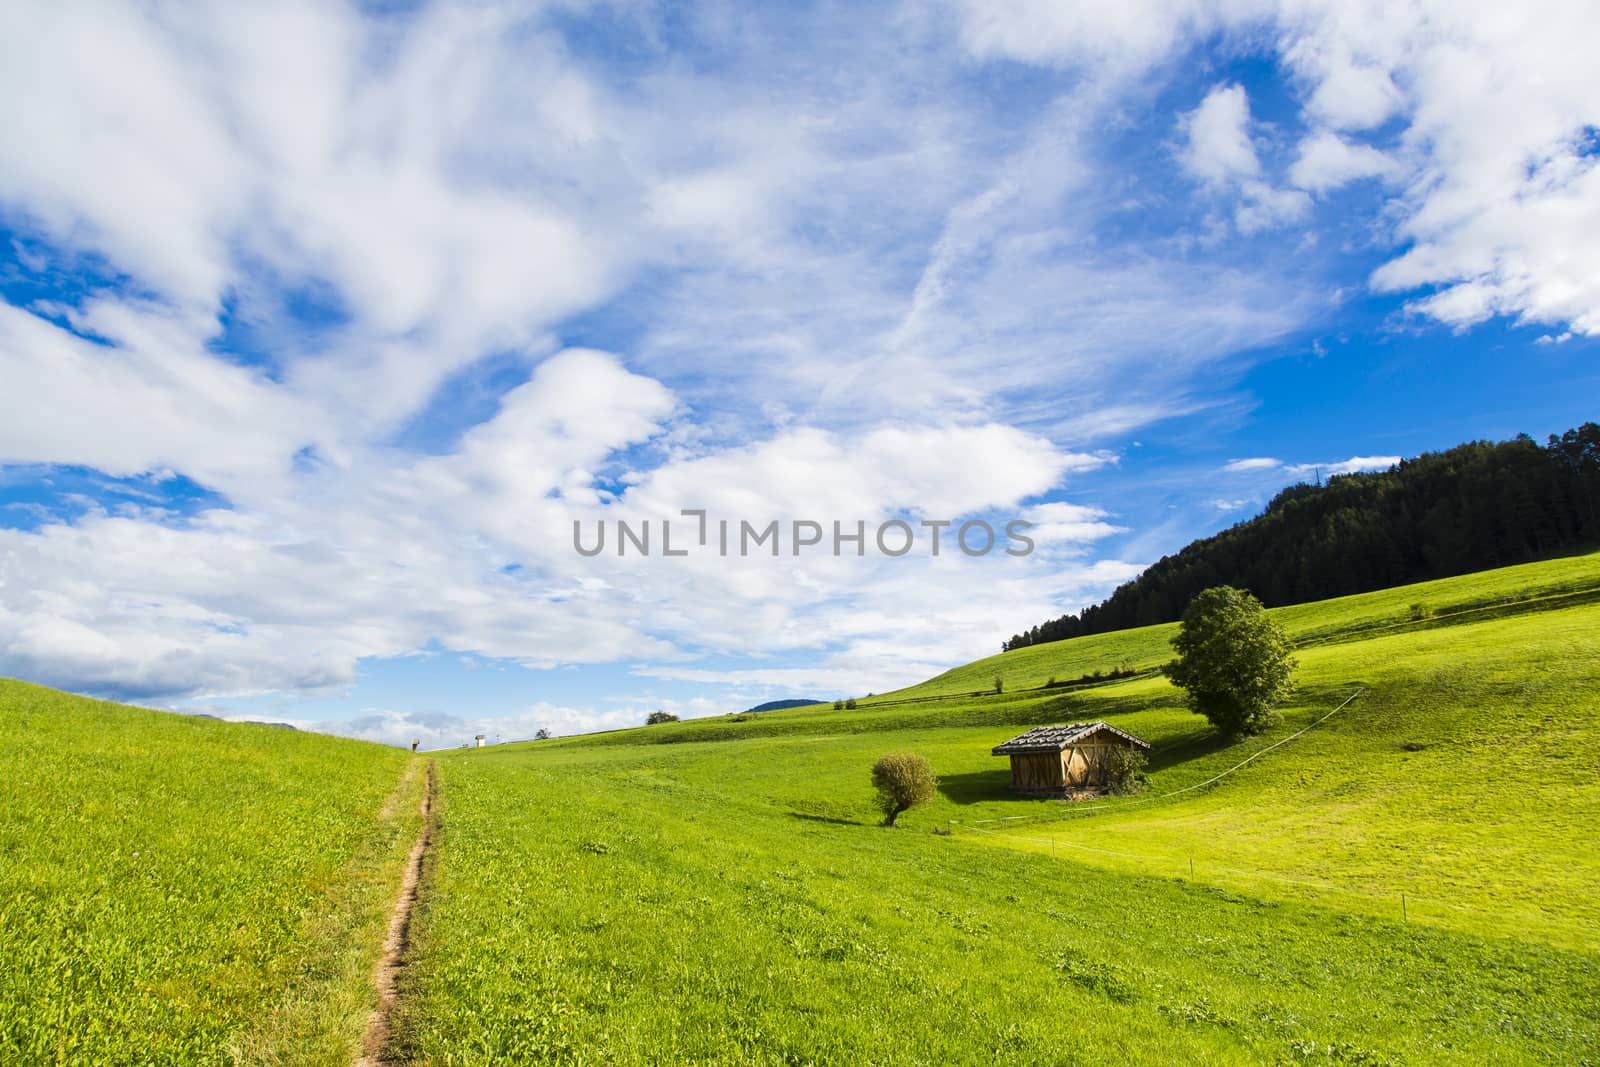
838, 705
1125, 770
658, 717
903, 780
1420, 611
999, 684
542, 735
1234, 661
850, 705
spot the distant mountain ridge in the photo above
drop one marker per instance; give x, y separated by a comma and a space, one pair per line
779, 705
1474, 507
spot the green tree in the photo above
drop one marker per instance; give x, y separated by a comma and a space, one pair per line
1234, 662
850, 705
903, 780
658, 717
542, 735
999, 684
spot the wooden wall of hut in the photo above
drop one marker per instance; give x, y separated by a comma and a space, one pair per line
1036, 772
1084, 766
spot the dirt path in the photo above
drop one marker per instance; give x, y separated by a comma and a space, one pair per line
398, 938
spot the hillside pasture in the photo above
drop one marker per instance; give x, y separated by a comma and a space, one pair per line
719, 892
177, 890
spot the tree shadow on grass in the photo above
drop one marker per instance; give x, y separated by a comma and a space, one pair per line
835, 820
1204, 740
976, 786
1191, 746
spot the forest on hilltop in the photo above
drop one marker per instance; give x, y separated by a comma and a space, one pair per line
1473, 507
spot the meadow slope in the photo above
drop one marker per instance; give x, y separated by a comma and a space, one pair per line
716, 892
177, 890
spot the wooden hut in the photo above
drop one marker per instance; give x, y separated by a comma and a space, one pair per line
1060, 760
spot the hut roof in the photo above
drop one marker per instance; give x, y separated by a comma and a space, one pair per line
1056, 738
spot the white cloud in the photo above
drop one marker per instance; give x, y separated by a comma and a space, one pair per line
366, 555
1259, 463
1071, 525
1347, 466
305, 145
1347, 61
108, 93
1364, 463
374, 553
1503, 194
826, 680
939, 472
1124, 38
1327, 161
1263, 207
1263, 464
1219, 149
149, 399
1496, 182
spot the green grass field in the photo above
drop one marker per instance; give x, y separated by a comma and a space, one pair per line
1414, 879
176, 890
715, 891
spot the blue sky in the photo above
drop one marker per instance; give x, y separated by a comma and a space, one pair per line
323, 324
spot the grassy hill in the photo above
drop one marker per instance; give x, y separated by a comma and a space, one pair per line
716, 891
1531, 587
1411, 879
177, 890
